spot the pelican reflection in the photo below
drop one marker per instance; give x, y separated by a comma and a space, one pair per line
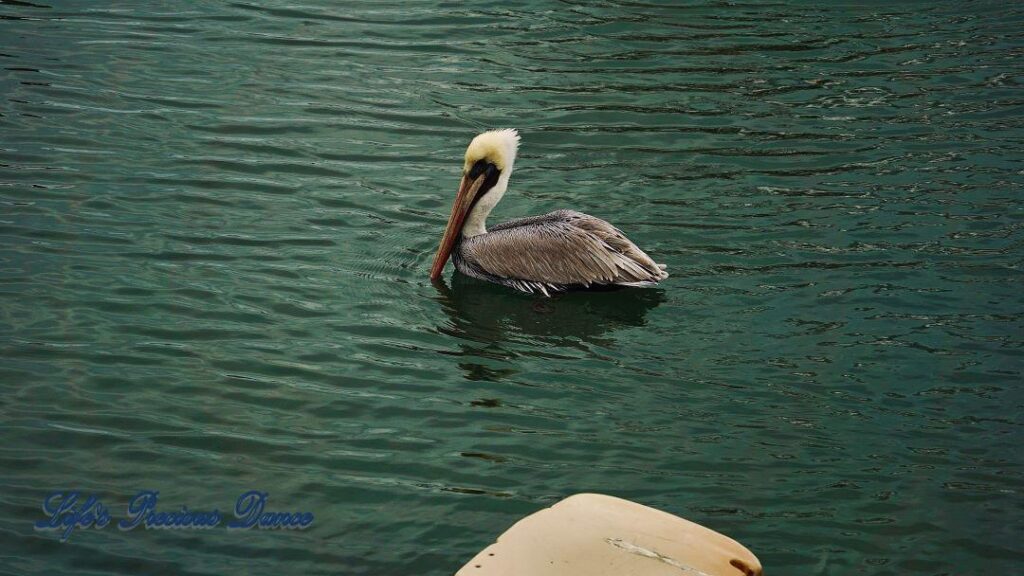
483, 312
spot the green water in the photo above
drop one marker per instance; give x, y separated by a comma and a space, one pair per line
217, 221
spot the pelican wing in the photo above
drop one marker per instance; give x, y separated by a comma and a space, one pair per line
558, 250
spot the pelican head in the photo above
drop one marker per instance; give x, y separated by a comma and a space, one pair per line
485, 174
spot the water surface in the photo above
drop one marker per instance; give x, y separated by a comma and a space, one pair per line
218, 219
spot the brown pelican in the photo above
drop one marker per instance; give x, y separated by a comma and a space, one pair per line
558, 251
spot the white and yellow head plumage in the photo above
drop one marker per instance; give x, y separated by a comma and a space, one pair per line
498, 147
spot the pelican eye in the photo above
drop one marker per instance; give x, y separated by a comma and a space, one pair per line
481, 166
491, 172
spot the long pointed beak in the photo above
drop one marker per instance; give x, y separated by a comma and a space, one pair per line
463, 200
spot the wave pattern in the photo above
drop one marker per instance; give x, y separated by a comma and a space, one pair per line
217, 222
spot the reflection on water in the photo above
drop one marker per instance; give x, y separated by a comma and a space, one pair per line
485, 317
484, 312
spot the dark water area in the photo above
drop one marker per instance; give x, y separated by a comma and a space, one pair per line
217, 221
